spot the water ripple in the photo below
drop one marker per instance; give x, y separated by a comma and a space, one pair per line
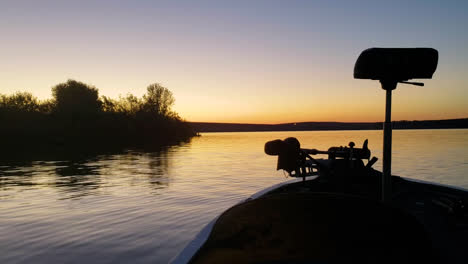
144, 207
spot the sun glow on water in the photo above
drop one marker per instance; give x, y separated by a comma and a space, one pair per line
144, 207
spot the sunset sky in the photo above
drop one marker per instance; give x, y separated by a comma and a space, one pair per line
238, 61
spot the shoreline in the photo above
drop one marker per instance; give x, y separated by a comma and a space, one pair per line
202, 127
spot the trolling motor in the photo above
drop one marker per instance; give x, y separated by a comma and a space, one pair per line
298, 161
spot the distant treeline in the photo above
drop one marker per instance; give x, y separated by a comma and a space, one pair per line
311, 126
77, 119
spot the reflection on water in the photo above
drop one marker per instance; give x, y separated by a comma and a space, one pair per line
77, 178
143, 207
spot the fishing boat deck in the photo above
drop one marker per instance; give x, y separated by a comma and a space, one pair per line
324, 222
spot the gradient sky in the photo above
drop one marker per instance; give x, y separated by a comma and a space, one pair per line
238, 61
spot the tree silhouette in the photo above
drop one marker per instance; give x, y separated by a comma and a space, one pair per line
158, 100
76, 98
77, 121
19, 102
131, 104
108, 104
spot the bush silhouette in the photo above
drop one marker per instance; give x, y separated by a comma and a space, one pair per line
76, 99
78, 120
19, 102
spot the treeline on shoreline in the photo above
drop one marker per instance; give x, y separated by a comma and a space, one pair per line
77, 119
321, 126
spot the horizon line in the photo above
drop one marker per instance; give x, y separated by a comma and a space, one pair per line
302, 122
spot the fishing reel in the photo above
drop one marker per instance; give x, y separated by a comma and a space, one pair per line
298, 161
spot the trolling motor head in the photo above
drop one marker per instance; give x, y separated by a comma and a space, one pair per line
288, 152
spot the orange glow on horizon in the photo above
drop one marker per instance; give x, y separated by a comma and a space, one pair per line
256, 63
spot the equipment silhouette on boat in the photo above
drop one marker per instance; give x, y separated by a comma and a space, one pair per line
299, 163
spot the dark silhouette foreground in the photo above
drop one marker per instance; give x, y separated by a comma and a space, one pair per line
76, 120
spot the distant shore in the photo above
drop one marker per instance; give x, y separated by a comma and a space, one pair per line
320, 126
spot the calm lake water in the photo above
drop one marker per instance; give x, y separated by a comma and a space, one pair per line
144, 207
